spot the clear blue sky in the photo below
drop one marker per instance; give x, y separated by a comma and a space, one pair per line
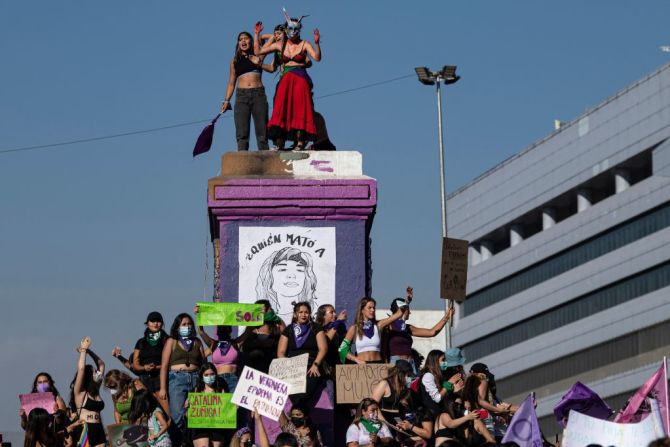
94, 236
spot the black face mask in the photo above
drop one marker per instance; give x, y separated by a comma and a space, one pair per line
298, 422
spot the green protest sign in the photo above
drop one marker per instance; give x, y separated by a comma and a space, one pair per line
211, 410
229, 314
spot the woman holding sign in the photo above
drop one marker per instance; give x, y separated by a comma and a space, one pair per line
207, 383
304, 337
365, 334
43, 383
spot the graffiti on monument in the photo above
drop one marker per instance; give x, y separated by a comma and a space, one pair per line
287, 264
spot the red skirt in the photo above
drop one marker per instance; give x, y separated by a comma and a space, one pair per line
293, 110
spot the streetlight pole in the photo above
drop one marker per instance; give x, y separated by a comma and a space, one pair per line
427, 77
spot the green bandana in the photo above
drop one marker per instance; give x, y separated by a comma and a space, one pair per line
153, 338
371, 426
271, 317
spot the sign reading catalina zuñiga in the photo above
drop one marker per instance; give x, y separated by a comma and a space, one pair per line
287, 264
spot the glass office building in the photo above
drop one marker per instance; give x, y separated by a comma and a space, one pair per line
569, 275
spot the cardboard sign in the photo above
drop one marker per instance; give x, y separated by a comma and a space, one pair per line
126, 435
454, 274
37, 400
261, 392
292, 371
356, 382
211, 410
229, 314
583, 430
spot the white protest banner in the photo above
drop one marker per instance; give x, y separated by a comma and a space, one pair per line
583, 430
261, 392
30, 401
293, 371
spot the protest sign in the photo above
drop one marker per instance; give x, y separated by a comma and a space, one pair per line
454, 273
229, 314
126, 435
261, 392
292, 371
583, 430
37, 400
211, 410
355, 382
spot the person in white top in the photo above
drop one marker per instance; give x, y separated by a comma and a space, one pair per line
366, 429
365, 334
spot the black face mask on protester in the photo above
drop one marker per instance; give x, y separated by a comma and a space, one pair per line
298, 422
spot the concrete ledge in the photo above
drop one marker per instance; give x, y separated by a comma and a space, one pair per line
292, 164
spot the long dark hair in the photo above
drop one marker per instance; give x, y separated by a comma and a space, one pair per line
200, 387
362, 406
321, 313
432, 365
296, 308
88, 384
174, 329
471, 391
39, 429
238, 52
52, 384
142, 406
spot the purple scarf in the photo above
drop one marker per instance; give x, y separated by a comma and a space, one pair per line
399, 325
186, 343
224, 346
368, 328
337, 324
301, 332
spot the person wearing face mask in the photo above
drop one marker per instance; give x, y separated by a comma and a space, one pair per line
432, 386
366, 429
43, 383
149, 350
208, 383
85, 400
182, 355
122, 387
392, 393
300, 426
293, 111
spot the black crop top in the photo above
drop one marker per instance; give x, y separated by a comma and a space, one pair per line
243, 65
93, 405
310, 346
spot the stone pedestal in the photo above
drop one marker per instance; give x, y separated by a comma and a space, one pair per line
293, 226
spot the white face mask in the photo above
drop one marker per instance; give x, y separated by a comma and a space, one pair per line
97, 377
113, 391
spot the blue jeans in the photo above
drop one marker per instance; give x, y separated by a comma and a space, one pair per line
179, 385
394, 358
230, 379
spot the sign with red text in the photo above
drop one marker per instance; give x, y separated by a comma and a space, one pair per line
257, 391
211, 410
229, 314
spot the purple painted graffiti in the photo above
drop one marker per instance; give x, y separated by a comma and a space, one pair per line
317, 164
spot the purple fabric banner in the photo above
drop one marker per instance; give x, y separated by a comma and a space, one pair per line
583, 400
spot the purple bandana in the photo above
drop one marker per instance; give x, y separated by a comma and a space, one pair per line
224, 346
186, 343
368, 328
301, 332
399, 325
337, 324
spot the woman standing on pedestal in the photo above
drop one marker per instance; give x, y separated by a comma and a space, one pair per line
293, 111
250, 100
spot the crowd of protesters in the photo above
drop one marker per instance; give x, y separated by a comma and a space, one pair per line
431, 401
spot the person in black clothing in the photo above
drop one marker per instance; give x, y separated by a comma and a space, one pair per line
148, 351
259, 344
304, 337
335, 327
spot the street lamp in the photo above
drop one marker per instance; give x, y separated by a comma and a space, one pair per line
427, 77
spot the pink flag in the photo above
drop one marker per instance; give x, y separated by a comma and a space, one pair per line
637, 408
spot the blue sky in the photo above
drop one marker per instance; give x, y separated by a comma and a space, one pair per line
94, 236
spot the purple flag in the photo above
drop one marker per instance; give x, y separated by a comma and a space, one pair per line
637, 408
205, 139
583, 400
524, 428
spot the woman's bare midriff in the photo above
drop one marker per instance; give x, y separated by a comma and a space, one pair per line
181, 367
370, 356
226, 369
88, 416
249, 80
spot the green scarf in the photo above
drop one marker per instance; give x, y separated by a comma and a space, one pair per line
153, 338
270, 317
371, 426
